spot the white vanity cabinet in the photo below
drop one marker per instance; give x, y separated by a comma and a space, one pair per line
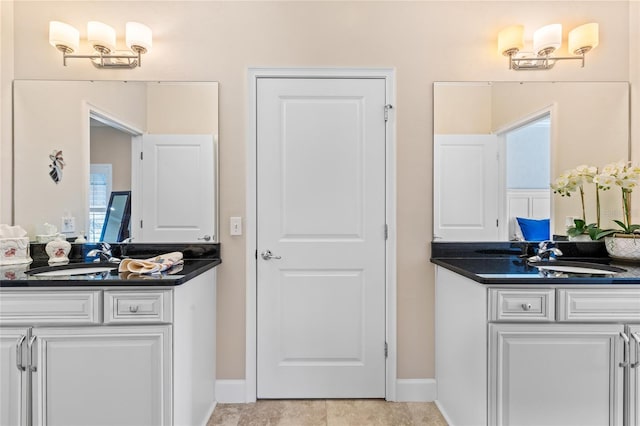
634, 383
111, 356
110, 375
12, 383
538, 355
555, 374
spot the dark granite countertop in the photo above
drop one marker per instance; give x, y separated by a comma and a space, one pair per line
198, 258
506, 263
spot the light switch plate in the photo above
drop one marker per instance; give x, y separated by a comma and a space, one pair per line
235, 223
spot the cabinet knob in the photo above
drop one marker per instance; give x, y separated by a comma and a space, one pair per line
526, 306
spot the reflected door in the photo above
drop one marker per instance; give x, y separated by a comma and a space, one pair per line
177, 188
321, 239
466, 188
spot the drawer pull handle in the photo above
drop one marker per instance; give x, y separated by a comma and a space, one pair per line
526, 306
19, 353
636, 337
133, 308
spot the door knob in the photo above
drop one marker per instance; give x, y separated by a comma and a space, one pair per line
206, 238
266, 255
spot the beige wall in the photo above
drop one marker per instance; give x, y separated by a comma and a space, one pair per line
462, 109
175, 108
111, 146
424, 41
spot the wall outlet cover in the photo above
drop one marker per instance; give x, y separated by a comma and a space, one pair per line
68, 225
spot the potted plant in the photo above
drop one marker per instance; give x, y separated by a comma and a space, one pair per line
575, 180
621, 243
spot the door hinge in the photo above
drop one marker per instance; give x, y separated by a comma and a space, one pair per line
140, 223
387, 107
386, 231
256, 254
386, 350
497, 222
141, 155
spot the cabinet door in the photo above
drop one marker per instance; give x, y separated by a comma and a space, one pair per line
634, 382
555, 374
12, 392
111, 376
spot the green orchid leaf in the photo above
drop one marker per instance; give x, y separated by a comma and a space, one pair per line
606, 233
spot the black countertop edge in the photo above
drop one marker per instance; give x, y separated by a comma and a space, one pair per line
171, 278
493, 249
134, 250
534, 279
485, 262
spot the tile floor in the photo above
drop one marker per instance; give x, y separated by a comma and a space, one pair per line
340, 412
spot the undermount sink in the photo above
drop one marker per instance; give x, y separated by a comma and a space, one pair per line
576, 267
72, 269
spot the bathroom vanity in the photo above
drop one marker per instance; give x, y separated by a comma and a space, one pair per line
109, 348
514, 347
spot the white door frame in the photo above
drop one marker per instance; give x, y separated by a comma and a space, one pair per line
250, 256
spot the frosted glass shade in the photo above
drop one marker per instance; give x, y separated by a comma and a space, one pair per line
583, 38
100, 34
61, 34
511, 38
547, 39
138, 35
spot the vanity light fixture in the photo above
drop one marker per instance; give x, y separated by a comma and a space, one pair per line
102, 38
546, 41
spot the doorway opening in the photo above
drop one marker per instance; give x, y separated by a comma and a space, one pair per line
526, 165
111, 167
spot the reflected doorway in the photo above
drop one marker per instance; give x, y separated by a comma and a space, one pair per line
110, 153
526, 148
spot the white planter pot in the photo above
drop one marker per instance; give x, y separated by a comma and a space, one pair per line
623, 247
581, 237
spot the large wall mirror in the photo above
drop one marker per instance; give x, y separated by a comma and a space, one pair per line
78, 142
499, 145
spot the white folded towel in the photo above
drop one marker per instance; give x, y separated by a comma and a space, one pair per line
153, 265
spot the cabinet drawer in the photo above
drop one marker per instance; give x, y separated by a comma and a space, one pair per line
51, 307
521, 305
138, 307
598, 305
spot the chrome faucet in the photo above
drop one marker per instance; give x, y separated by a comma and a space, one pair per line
103, 253
546, 250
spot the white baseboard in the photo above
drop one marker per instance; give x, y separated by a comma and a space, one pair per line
444, 413
416, 390
231, 391
206, 419
407, 390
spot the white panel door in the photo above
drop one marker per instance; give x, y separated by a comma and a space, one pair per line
111, 376
321, 213
466, 188
555, 375
177, 188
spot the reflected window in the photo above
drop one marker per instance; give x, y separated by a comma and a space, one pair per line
99, 191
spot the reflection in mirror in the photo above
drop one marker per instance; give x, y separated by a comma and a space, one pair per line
107, 130
498, 145
115, 227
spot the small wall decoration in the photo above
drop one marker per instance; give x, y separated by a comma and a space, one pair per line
56, 166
